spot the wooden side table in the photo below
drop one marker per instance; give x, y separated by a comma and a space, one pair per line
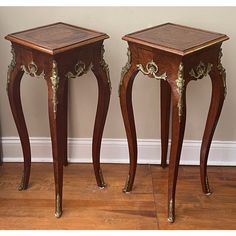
56, 53
175, 55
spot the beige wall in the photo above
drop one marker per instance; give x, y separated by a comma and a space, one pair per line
117, 21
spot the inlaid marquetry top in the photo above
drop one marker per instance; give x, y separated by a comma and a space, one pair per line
175, 38
56, 38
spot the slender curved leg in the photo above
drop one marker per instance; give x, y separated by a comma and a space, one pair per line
13, 90
128, 117
101, 72
65, 122
178, 128
217, 100
55, 109
165, 120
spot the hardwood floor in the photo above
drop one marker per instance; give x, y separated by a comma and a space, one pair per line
87, 207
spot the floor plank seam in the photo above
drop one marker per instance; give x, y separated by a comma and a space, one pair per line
157, 218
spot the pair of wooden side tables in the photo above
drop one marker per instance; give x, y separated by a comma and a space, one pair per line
171, 53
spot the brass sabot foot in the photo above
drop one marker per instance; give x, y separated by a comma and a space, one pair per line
171, 219
103, 184
58, 214
58, 211
126, 187
22, 185
208, 192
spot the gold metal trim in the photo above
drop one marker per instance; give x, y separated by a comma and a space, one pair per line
58, 211
22, 186
11, 66
55, 83
103, 184
222, 71
125, 189
125, 69
32, 70
207, 187
195, 49
151, 69
180, 83
80, 69
105, 66
171, 217
200, 71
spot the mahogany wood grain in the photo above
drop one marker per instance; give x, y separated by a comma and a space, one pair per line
104, 91
65, 122
56, 38
175, 55
47, 54
165, 120
217, 100
176, 38
13, 90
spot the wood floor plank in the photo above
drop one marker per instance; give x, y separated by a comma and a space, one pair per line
85, 205
194, 210
88, 207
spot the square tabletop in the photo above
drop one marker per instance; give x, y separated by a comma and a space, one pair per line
56, 38
175, 38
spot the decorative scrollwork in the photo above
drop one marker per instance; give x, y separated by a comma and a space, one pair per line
151, 69
55, 83
180, 83
12, 65
222, 70
125, 69
105, 66
32, 70
80, 69
200, 71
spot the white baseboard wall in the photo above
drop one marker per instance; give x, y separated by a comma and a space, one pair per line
222, 153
